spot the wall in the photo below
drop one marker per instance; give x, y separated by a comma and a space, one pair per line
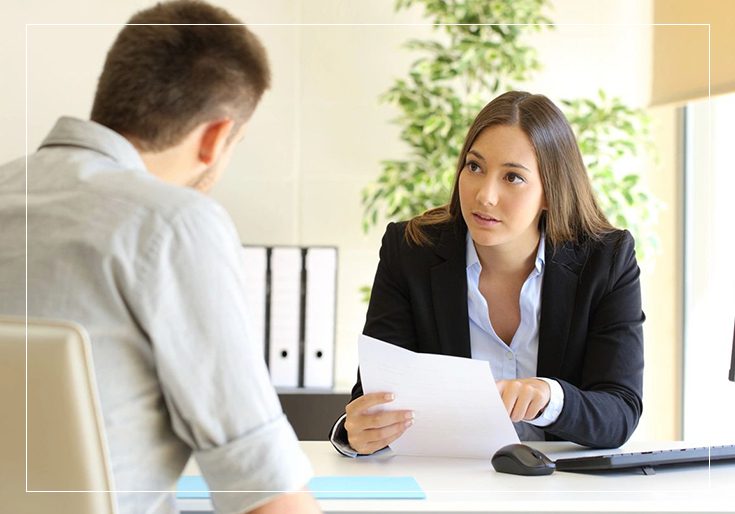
692, 61
320, 133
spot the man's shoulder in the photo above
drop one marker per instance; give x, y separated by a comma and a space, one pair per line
177, 215
170, 202
12, 175
121, 200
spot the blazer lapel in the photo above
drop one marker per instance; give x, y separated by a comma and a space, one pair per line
449, 293
561, 275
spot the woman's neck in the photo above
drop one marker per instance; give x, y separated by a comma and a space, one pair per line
516, 257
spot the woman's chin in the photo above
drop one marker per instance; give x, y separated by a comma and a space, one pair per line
482, 238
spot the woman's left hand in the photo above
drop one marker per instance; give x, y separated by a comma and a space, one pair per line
524, 398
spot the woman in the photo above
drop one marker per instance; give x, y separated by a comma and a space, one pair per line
522, 269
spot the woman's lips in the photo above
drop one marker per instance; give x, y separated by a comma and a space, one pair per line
485, 220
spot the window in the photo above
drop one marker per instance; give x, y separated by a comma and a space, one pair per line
709, 269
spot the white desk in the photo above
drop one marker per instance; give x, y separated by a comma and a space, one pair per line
463, 485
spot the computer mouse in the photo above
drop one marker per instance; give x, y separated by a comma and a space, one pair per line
519, 459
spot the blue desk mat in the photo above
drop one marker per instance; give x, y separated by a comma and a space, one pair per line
329, 488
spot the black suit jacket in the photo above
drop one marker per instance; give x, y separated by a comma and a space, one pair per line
590, 334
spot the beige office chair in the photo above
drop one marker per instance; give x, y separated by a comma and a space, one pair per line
67, 449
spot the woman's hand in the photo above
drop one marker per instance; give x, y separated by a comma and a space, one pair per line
369, 429
524, 398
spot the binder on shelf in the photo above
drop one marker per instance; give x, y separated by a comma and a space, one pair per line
285, 316
256, 290
319, 317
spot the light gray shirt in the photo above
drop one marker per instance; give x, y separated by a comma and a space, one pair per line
153, 272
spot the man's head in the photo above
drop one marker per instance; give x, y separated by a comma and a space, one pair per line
175, 69
179, 83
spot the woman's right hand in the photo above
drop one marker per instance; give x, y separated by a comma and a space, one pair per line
370, 429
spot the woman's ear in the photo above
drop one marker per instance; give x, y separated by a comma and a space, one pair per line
214, 140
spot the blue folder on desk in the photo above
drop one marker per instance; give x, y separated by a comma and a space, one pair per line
366, 488
329, 488
192, 488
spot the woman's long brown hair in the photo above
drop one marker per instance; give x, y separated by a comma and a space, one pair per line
573, 212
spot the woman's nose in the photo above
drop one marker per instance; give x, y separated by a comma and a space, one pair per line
488, 193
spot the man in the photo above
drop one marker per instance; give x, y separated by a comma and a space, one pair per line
122, 240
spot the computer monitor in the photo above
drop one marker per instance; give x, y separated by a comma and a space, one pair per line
732, 359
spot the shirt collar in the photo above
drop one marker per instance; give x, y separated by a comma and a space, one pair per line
541, 253
474, 260
70, 131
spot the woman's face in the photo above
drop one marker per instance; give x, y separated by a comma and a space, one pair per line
500, 190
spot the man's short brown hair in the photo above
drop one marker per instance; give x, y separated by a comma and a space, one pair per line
161, 80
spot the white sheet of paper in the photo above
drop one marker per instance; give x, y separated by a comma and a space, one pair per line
457, 406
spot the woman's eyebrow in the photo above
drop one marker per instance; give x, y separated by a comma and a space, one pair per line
476, 154
515, 165
505, 164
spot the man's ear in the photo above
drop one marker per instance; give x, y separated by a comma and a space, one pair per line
214, 139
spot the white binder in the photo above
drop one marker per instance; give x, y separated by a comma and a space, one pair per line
256, 275
319, 318
285, 316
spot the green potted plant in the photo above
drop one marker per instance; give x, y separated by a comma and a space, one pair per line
480, 52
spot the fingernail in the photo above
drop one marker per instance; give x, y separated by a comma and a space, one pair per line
409, 415
408, 423
390, 396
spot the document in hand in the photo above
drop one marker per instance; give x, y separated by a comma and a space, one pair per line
457, 406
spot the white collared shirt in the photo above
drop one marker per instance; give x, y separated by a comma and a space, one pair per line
517, 360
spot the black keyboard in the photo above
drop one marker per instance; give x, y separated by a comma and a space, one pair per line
648, 459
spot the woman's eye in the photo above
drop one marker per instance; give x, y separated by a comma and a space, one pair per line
473, 167
514, 178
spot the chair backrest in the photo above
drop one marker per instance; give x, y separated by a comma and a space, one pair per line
63, 436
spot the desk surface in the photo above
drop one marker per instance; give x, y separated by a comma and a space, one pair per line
469, 485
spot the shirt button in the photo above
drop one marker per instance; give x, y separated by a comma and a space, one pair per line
510, 355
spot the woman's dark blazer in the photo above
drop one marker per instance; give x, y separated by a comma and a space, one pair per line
590, 334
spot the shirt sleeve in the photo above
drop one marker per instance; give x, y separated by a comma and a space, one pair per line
213, 377
341, 446
553, 409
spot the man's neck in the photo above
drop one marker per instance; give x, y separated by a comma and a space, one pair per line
172, 165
